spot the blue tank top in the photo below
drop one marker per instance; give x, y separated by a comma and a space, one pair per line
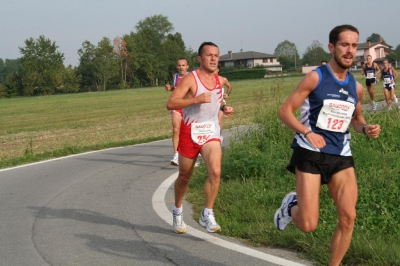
369, 70
387, 74
328, 88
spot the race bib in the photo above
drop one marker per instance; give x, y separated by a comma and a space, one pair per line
387, 80
335, 115
201, 132
370, 75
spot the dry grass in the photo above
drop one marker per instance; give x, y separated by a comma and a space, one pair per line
44, 124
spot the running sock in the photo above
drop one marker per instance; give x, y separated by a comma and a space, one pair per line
178, 210
206, 210
293, 203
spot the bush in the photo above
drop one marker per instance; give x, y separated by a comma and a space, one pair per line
244, 73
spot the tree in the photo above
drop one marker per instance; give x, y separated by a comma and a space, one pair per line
41, 66
155, 50
314, 54
2, 71
11, 66
157, 23
69, 81
287, 53
172, 49
375, 37
86, 69
121, 50
105, 62
394, 56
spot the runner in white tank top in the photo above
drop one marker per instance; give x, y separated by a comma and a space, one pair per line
199, 95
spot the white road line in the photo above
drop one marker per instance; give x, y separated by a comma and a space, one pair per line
161, 209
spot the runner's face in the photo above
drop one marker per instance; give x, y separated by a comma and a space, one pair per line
209, 58
345, 49
369, 59
182, 67
385, 64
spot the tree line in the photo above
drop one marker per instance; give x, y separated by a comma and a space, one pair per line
144, 57
314, 54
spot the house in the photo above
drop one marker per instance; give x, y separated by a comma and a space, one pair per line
250, 59
377, 50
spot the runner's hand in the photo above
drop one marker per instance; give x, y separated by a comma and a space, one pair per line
228, 111
373, 131
167, 87
316, 140
204, 97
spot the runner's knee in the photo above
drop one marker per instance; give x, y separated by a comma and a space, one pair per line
307, 225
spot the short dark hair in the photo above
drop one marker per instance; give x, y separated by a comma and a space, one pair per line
200, 51
183, 58
335, 32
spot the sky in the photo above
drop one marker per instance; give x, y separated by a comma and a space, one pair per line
250, 25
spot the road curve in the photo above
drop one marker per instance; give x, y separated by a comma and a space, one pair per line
97, 209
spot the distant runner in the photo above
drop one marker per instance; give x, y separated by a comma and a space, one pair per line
182, 66
389, 76
370, 70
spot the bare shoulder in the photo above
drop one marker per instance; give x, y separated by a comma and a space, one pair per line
309, 81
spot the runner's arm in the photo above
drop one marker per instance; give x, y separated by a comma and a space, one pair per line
362, 70
228, 85
182, 95
358, 122
169, 87
378, 70
395, 74
294, 101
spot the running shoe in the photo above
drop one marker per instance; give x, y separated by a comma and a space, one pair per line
395, 99
389, 108
282, 217
198, 160
374, 106
175, 160
178, 223
209, 222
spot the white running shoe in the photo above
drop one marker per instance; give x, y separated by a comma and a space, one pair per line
374, 106
395, 100
198, 160
175, 161
178, 223
389, 108
282, 217
208, 221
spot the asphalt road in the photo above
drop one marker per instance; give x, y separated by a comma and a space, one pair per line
110, 207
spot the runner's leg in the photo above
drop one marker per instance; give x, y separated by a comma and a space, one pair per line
306, 213
212, 154
186, 166
343, 189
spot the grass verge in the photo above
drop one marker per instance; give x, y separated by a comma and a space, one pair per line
255, 179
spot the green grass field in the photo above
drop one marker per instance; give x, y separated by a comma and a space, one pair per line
254, 178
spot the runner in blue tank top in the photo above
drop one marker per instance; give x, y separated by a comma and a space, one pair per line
389, 76
370, 70
330, 101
